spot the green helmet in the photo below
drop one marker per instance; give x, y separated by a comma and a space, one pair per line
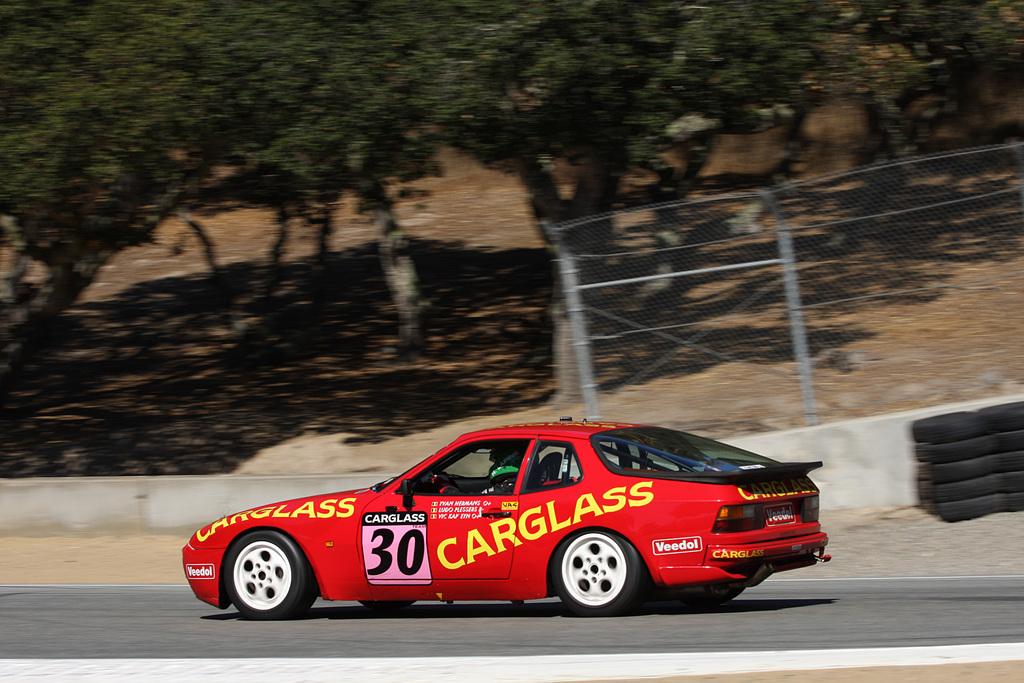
504, 463
503, 470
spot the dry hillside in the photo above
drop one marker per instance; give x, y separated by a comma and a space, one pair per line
142, 377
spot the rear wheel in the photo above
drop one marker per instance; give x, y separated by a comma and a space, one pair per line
598, 574
268, 577
704, 597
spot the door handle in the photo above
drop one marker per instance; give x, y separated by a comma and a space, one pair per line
497, 514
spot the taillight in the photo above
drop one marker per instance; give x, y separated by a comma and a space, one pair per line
810, 510
733, 518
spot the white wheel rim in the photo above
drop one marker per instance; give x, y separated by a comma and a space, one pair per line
263, 575
593, 570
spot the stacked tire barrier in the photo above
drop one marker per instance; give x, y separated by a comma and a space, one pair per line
971, 464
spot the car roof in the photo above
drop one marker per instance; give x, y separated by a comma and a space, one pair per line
578, 429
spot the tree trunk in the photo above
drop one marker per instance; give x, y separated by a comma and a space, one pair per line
595, 191
273, 278
27, 312
256, 333
218, 277
564, 365
321, 219
73, 256
403, 282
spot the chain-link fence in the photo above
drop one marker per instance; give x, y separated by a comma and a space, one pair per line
886, 287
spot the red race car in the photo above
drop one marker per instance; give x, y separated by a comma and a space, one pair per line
603, 515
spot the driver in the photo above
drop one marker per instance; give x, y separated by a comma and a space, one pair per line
505, 462
504, 470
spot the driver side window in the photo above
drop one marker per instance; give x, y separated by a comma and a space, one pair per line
478, 468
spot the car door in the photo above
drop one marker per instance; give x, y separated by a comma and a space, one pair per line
457, 524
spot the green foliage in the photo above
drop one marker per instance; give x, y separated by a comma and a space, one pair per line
323, 94
347, 94
886, 50
736, 57
978, 31
91, 92
544, 78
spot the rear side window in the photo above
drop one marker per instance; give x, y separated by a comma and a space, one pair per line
656, 449
554, 464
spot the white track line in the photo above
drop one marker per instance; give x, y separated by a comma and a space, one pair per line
554, 668
951, 577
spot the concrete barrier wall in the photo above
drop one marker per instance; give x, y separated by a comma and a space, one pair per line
86, 506
867, 463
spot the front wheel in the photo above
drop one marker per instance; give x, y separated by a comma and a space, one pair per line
268, 577
598, 574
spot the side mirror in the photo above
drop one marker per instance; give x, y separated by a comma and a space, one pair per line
405, 488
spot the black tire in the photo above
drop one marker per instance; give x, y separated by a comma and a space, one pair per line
961, 510
926, 492
959, 471
1013, 502
1008, 417
386, 605
707, 597
946, 428
599, 574
1010, 462
1010, 441
967, 489
267, 577
955, 451
1011, 482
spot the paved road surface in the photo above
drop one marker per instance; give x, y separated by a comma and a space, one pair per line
160, 621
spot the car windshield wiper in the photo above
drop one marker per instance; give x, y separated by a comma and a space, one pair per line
381, 484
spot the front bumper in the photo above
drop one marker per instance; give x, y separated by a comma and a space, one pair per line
202, 570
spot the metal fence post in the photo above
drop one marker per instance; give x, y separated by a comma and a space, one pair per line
578, 324
795, 308
1018, 151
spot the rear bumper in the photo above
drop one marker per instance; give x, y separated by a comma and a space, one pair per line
781, 553
744, 562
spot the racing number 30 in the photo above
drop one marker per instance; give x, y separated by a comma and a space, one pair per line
412, 547
395, 548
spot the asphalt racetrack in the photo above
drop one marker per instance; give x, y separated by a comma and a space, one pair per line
49, 629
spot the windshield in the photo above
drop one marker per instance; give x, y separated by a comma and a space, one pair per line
665, 450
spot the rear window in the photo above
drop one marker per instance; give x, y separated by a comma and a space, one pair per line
657, 449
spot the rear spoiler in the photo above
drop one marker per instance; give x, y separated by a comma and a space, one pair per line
736, 477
